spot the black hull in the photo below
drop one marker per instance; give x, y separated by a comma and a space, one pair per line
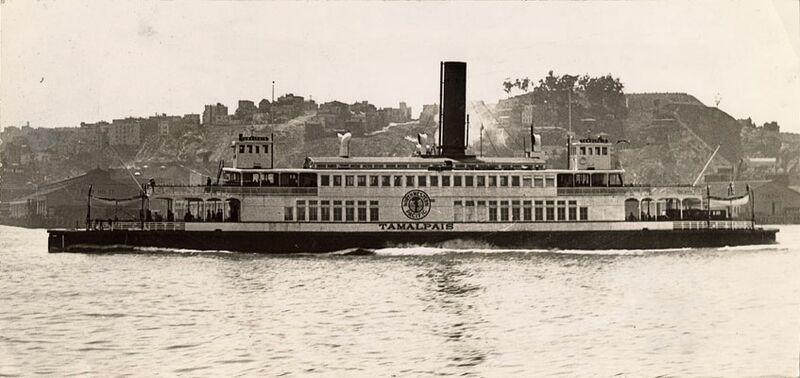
320, 242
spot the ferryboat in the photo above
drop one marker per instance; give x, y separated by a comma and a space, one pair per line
439, 197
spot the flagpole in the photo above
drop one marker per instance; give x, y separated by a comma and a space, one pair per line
481, 139
708, 206
751, 198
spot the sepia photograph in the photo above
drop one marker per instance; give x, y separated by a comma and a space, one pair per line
400, 188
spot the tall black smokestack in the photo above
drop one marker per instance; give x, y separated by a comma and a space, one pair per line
454, 102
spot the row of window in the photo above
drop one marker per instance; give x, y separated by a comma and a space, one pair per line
503, 211
253, 148
336, 211
537, 181
584, 150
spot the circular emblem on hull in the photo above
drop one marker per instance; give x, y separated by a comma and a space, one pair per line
416, 204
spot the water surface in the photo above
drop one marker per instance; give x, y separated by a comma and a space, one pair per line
403, 312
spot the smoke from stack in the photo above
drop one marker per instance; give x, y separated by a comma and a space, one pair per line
344, 144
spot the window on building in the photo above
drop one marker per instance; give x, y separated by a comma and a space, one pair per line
362, 180
481, 181
337, 180
349, 180
288, 213
503, 180
373, 180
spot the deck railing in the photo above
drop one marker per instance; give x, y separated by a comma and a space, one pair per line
713, 225
200, 190
627, 190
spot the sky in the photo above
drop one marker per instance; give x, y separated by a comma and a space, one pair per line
65, 62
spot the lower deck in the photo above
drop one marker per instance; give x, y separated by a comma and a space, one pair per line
266, 238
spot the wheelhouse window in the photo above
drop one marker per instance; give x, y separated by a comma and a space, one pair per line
515, 181
584, 213
434, 180
492, 181
481, 181
446, 180
503, 181
337, 180
362, 180
386, 180
288, 213
456, 180
469, 180
398, 181
373, 180
325, 180
349, 181
538, 181
409, 181
422, 180
550, 182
